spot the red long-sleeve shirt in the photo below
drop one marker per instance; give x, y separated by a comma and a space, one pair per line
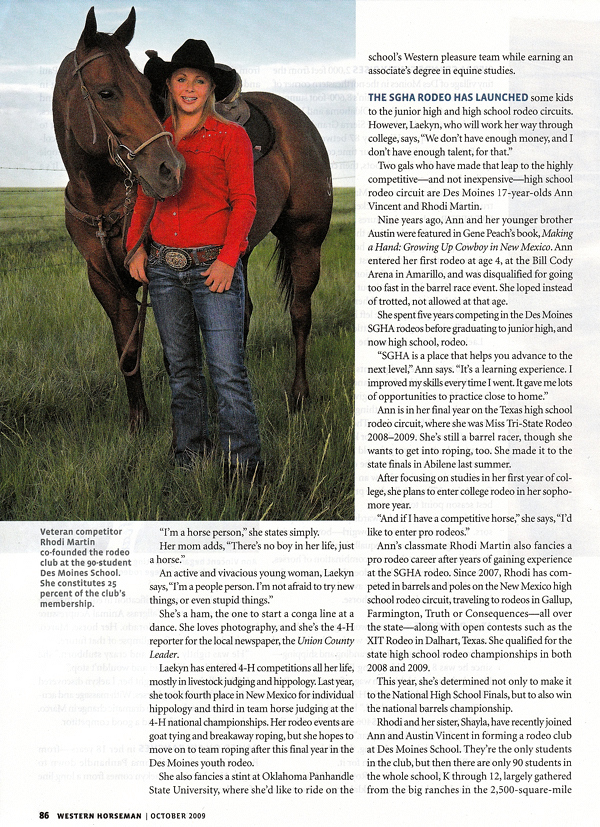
216, 204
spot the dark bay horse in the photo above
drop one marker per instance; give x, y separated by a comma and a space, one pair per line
98, 90
100, 108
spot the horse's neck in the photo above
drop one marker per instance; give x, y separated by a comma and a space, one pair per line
94, 183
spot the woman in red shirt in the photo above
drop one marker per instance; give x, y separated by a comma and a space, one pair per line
193, 267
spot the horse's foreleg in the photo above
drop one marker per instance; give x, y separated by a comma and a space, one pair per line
122, 313
122, 328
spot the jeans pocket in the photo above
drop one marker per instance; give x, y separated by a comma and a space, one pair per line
237, 282
154, 268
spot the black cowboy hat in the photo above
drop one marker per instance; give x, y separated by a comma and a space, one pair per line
194, 54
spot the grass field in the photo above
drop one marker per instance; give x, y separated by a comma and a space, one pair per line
65, 451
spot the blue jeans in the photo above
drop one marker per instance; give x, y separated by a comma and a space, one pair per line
183, 305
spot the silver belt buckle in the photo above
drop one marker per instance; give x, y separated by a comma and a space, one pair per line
177, 259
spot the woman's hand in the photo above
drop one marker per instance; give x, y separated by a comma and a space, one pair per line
219, 276
137, 265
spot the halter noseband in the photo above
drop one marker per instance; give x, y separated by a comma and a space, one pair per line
114, 145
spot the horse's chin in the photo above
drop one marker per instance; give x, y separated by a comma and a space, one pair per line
164, 191
150, 191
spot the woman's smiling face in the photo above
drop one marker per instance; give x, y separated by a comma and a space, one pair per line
190, 89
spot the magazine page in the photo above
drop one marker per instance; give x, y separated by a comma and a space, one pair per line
318, 543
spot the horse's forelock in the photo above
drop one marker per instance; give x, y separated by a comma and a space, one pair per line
113, 47
120, 57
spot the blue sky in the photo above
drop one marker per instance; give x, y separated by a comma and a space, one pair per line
301, 50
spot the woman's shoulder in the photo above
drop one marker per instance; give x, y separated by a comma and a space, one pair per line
231, 133
224, 126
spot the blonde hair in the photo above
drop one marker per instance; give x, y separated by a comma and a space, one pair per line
208, 110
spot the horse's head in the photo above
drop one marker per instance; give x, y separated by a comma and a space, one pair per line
110, 110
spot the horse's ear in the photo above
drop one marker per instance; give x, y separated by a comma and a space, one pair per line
125, 31
90, 30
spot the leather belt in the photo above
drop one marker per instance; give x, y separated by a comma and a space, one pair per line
182, 258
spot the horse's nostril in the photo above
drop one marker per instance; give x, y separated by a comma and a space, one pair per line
170, 172
165, 171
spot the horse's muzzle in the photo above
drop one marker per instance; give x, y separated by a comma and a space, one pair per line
163, 181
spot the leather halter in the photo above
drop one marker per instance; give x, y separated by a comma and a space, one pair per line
114, 144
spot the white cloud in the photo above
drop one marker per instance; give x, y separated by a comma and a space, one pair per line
22, 88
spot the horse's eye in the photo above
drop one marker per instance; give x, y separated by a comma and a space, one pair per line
106, 94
